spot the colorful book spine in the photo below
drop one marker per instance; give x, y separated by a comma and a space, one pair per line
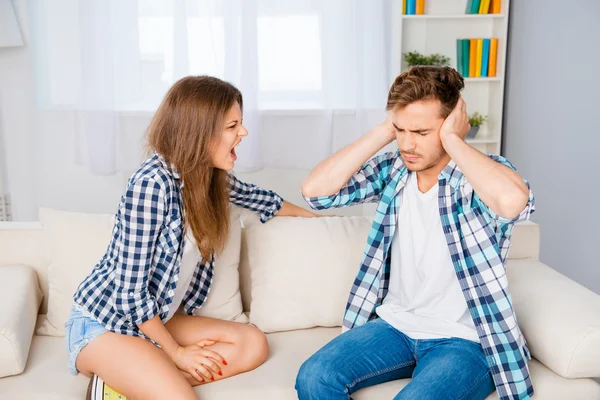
411, 7
485, 58
469, 6
475, 7
496, 6
465, 54
484, 7
459, 57
404, 7
493, 56
420, 7
472, 57
479, 55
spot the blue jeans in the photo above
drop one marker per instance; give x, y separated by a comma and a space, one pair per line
376, 352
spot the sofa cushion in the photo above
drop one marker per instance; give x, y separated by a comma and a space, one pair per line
23, 243
559, 318
224, 300
20, 298
46, 376
525, 245
302, 270
75, 243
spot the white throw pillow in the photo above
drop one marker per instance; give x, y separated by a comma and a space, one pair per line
224, 299
302, 269
75, 243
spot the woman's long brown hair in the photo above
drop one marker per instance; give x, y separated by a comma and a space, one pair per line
185, 129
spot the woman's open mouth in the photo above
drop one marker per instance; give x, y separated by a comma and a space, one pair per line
233, 154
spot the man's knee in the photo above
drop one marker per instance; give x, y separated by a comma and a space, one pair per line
317, 373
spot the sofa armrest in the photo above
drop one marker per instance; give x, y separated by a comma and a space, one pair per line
559, 318
20, 298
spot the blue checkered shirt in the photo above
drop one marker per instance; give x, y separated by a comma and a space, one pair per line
478, 241
136, 278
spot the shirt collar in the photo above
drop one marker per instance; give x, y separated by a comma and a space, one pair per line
451, 172
171, 168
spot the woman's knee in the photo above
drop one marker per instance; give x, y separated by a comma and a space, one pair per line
255, 347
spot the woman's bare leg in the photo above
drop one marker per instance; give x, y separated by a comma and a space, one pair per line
134, 367
243, 346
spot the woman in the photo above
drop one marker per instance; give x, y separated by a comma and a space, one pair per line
172, 219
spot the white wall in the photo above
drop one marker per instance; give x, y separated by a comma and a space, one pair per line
551, 126
16, 110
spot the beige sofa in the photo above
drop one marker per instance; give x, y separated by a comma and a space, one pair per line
294, 277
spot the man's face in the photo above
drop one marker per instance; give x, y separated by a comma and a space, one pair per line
418, 134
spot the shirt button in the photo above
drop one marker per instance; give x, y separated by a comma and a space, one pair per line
130, 294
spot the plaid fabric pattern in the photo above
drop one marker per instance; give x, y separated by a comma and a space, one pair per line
478, 241
136, 278
264, 202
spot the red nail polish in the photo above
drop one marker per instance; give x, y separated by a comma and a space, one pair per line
220, 373
212, 379
224, 362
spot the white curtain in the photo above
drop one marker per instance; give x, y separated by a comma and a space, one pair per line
314, 74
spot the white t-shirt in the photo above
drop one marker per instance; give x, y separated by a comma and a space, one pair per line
189, 262
424, 300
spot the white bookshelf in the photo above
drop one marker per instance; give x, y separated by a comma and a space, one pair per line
436, 31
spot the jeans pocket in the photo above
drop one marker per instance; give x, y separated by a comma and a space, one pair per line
68, 328
75, 332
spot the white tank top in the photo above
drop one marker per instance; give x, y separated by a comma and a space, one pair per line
189, 263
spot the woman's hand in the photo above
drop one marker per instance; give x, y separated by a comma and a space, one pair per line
203, 364
292, 210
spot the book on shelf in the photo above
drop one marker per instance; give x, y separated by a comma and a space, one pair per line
459, 57
473, 6
485, 58
411, 7
479, 55
420, 8
477, 58
483, 6
472, 57
466, 56
495, 6
493, 56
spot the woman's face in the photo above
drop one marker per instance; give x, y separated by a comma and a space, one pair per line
224, 156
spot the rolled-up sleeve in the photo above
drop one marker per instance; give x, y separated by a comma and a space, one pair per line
365, 186
265, 203
142, 216
524, 215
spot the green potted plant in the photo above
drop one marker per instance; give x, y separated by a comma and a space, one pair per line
415, 58
476, 120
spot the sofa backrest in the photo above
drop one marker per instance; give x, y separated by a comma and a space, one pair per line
525, 246
23, 243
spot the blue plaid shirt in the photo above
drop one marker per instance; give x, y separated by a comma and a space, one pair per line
478, 241
136, 278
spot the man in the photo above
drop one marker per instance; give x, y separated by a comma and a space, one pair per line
431, 299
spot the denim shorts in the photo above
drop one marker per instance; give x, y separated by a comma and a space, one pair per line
80, 331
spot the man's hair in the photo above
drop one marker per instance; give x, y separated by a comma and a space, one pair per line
426, 83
